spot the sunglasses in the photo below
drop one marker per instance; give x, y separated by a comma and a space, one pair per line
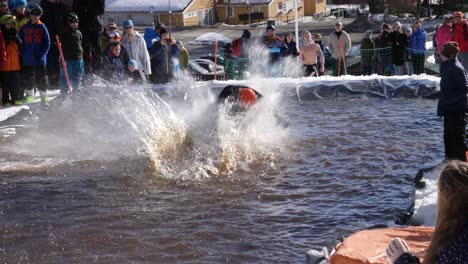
3, 5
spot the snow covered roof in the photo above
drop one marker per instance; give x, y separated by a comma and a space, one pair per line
250, 2
146, 5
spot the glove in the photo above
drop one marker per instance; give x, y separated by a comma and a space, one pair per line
275, 50
396, 248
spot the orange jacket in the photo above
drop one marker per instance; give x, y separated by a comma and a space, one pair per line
12, 57
460, 35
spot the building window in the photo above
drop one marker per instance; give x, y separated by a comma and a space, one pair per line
256, 9
281, 7
229, 11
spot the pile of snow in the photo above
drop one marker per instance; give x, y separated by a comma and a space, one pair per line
210, 38
146, 5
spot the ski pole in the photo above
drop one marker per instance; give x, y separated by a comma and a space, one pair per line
64, 65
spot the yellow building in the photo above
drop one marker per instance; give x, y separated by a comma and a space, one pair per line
175, 13
249, 11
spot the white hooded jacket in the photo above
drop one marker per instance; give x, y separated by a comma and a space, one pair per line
137, 51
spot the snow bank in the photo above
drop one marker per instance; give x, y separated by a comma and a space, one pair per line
210, 38
146, 5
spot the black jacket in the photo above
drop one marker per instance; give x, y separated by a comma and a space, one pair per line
292, 49
399, 42
453, 88
54, 17
367, 51
72, 44
114, 69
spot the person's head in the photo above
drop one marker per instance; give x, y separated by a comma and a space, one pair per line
246, 34
437, 27
72, 20
449, 51
270, 31
452, 207
338, 26
417, 25
20, 6
448, 21
457, 17
35, 12
307, 36
163, 34
114, 37
397, 26
247, 97
115, 49
317, 37
8, 20
288, 38
128, 26
132, 65
386, 28
368, 34
408, 31
111, 27
3, 6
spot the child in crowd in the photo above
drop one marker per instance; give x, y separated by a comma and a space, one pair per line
19, 7
114, 68
35, 45
73, 55
114, 38
11, 92
135, 76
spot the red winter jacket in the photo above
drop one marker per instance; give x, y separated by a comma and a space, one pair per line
460, 35
3, 54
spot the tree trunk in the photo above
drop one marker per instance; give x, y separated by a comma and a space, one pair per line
228, 16
385, 11
215, 12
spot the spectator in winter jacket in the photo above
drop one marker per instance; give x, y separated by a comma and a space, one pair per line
383, 45
450, 239
184, 56
408, 63
11, 92
135, 45
114, 38
104, 38
88, 11
4, 10
134, 76
73, 54
339, 44
54, 19
318, 41
460, 35
19, 11
367, 53
444, 34
399, 42
150, 36
291, 44
452, 101
114, 68
275, 44
162, 55
240, 46
35, 46
418, 48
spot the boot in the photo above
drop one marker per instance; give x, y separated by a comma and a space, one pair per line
29, 98
44, 98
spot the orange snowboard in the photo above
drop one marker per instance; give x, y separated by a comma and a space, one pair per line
368, 246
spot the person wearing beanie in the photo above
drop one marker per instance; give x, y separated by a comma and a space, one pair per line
163, 54
54, 16
135, 45
134, 75
114, 67
19, 11
10, 70
459, 33
275, 44
239, 46
35, 46
367, 53
452, 103
72, 48
339, 44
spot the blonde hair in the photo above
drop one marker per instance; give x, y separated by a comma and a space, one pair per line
452, 208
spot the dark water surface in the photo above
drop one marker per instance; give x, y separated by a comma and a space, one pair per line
348, 165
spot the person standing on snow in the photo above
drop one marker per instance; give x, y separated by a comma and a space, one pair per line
135, 45
162, 55
10, 76
339, 44
418, 48
239, 46
19, 11
35, 46
275, 44
399, 44
460, 35
452, 101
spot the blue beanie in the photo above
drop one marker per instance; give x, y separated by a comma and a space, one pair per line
132, 63
128, 23
18, 3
